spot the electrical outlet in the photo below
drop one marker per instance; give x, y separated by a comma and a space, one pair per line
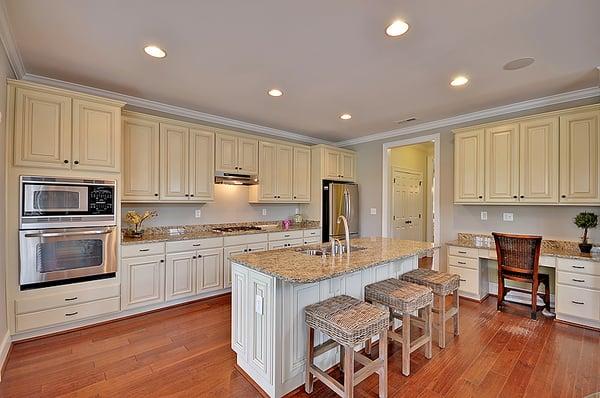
507, 216
198, 213
258, 302
484, 215
373, 211
264, 212
297, 211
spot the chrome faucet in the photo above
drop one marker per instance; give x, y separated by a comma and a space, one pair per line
346, 231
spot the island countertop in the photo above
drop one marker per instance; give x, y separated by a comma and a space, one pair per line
293, 265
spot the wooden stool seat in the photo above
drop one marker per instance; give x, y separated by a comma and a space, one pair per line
348, 322
402, 299
442, 284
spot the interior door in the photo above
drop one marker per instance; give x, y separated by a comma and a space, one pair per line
407, 220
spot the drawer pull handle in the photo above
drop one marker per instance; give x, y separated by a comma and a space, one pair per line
197, 244
71, 313
144, 250
461, 252
577, 302
71, 298
578, 280
463, 280
578, 266
462, 262
286, 236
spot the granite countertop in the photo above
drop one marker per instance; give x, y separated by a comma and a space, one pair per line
188, 232
293, 265
554, 248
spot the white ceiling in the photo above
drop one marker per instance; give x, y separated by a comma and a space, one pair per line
329, 57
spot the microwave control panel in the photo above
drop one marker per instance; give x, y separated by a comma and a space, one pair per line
101, 200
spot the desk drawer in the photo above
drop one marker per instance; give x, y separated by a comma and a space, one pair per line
574, 301
148, 249
578, 266
469, 279
463, 251
194, 244
579, 280
463, 262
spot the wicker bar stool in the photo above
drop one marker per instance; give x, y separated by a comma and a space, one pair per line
348, 322
402, 299
442, 284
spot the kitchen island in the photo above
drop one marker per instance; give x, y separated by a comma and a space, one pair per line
270, 290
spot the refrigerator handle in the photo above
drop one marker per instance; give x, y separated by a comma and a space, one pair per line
348, 207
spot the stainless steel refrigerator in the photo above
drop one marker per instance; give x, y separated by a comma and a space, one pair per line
339, 199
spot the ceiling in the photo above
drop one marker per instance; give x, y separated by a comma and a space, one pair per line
329, 57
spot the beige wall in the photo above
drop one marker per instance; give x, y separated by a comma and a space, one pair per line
549, 221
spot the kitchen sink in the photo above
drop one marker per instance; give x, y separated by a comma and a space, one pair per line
325, 251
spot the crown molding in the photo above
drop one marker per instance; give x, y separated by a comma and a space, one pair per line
8, 41
475, 116
175, 110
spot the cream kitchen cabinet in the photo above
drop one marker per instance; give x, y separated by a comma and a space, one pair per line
579, 157
275, 172
180, 275
143, 280
236, 154
469, 165
235, 250
301, 175
502, 163
141, 144
209, 270
339, 165
202, 165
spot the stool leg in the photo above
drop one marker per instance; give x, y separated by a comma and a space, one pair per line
368, 347
455, 318
383, 347
349, 372
342, 359
406, 344
428, 326
442, 323
310, 347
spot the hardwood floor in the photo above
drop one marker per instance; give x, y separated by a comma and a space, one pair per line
184, 351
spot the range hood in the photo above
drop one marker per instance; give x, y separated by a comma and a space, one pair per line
235, 179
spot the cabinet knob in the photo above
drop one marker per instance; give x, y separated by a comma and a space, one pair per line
522, 196
480, 197
515, 196
249, 250
563, 196
65, 161
193, 257
76, 162
192, 195
162, 261
186, 195
155, 194
199, 256
294, 197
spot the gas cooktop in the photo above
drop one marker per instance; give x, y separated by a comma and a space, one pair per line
240, 228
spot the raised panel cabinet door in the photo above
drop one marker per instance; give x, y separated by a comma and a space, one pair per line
502, 163
538, 171
301, 175
180, 275
469, 155
333, 162
247, 155
96, 136
143, 280
267, 175
579, 158
348, 166
285, 161
141, 156
202, 165
261, 324
239, 306
226, 153
174, 166
42, 135
227, 253
209, 270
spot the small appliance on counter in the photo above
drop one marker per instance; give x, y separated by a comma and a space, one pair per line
339, 199
67, 231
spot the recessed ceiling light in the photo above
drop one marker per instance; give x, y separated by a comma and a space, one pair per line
459, 81
275, 92
519, 63
155, 52
346, 116
397, 28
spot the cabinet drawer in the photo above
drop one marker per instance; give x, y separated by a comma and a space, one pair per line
258, 247
463, 251
34, 320
579, 280
463, 262
310, 241
312, 232
579, 302
244, 239
284, 244
469, 279
285, 235
148, 249
195, 244
548, 261
578, 266
68, 298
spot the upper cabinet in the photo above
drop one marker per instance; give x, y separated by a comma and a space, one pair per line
336, 163
236, 154
301, 175
543, 159
140, 159
55, 128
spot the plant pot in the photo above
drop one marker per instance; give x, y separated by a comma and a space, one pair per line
134, 234
585, 247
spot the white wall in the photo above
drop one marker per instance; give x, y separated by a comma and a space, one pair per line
230, 205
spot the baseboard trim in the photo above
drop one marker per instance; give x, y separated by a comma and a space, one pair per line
518, 297
5, 347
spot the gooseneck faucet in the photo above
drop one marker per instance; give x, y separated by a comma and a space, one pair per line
346, 231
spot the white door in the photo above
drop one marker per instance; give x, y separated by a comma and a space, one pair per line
209, 270
228, 252
144, 281
407, 205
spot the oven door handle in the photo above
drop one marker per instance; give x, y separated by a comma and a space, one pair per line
59, 234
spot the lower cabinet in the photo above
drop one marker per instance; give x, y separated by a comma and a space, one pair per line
578, 292
143, 280
209, 270
234, 251
284, 244
180, 275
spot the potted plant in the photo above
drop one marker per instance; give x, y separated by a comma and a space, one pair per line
136, 220
586, 221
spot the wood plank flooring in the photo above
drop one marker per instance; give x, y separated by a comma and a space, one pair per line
184, 352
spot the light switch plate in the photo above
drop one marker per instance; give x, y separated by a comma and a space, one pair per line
198, 213
373, 211
484, 215
264, 212
507, 216
259, 304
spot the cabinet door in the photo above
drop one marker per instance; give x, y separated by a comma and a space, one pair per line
348, 166
180, 275
301, 179
42, 129
202, 165
143, 281
579, 158
502, 163
267, 177
260, 324
280, 244
283, 170
96, 136
228, 252
538, 172
226, 153
209, 270
174, 162
469, 166
140, 159
239, 311
247, 155
333, 161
